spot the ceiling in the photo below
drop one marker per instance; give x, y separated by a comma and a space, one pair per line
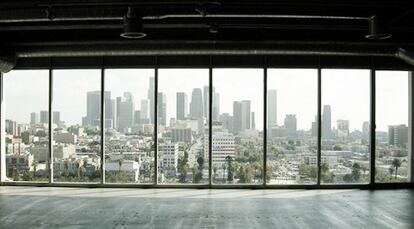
25, 25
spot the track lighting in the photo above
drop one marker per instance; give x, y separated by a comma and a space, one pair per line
132, 26
377, 30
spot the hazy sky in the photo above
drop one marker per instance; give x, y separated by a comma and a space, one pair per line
347, 91
171, 81
296, 94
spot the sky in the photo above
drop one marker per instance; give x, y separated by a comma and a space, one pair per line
347, 91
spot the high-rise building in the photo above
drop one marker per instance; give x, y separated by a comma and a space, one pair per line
253, 121
365, 129
93, 99
342, 128
326, 122
241, 115
137, 117
179, 134
206, 100
150, 95
398, 135
222, 146
314, 128
11, 127
196, 105
34, 118
56, 117
109, 115
93, 108
44, 117
182, 107
216, 106
126, 112
144, 109
290, 123
162, 109
168, 155
271, 110
227, 122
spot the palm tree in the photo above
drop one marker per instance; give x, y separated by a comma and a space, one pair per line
34, 164
120, 164
396, 163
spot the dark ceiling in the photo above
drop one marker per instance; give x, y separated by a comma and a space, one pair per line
31, 24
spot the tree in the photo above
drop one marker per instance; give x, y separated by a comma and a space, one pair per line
200, 161
120, 161
245, 174
35, 164
356, 172
396, 163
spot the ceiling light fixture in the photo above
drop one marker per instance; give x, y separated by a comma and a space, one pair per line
377, 30
213, 29
133, 28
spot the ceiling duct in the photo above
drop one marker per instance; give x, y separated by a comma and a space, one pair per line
7, 61
405, 55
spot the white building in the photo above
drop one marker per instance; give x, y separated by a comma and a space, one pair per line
168, 155
128, 166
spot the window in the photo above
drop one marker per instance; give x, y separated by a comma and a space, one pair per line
345, 126
237, 141
392, 127
26, 125
129, 128
292, 126
182, 126
76, 136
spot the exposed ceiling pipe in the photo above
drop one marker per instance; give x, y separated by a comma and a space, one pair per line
196, 49
7, 61
101, 16
405, 55
282, 16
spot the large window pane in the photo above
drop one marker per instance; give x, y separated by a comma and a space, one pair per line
26, 125
76, 137
129, 132
237, 145
292, 126
182, 126
345, 126
392, 126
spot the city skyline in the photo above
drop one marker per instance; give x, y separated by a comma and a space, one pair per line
72, 112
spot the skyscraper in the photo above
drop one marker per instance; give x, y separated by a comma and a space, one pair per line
44, 117
343, 127
150, 95
182, 107
34, 118
326, 122
93, 105
271, 110
126, 112
109, 115
241, 115
162, 109
196, 105
93, 108
144, 109
206, 99
290, 123
365, 129
216, 106
253, 122
56, 117
398, 135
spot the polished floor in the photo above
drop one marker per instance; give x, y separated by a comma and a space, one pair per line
43, 207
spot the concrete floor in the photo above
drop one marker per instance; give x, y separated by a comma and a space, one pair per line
40, 207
